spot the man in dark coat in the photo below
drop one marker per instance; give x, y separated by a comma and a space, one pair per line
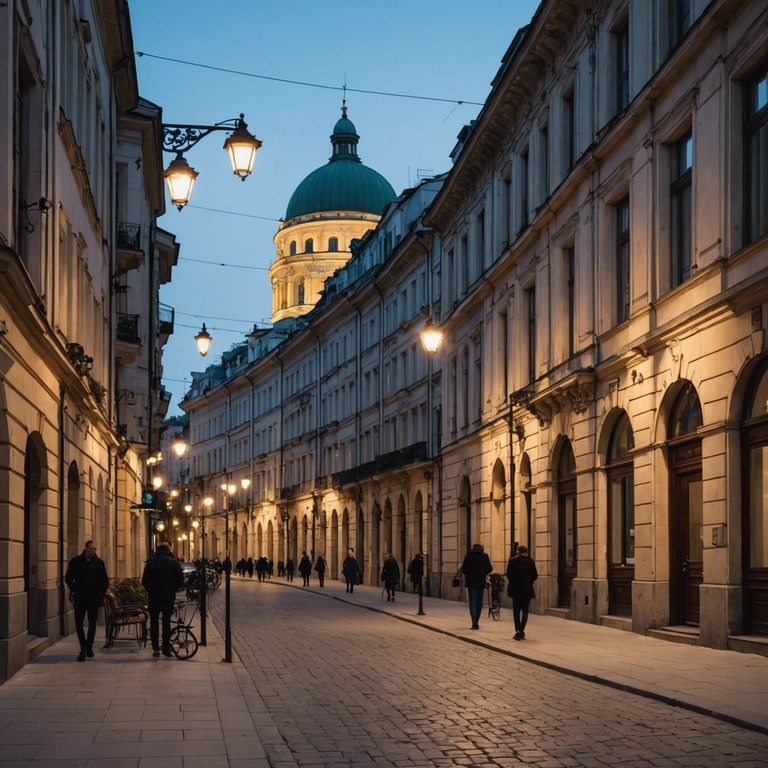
416, 570
390, 575
476, 567
86, 577
162, 579
521, 573
351, 570
321, 566
305, 568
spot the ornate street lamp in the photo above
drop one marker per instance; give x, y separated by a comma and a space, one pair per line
180, 176
431, 338
203, 341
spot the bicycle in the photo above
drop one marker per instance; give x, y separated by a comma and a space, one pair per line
183, 642
494, 602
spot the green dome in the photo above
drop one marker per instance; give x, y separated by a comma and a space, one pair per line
344, 183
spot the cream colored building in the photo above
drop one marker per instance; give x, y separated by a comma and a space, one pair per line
597, 258
604, 286
79, 256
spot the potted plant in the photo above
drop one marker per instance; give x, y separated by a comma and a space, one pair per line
496, 580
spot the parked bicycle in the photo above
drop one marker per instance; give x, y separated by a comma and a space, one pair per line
494, 600
183, 642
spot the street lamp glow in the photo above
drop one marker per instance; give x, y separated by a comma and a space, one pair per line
195, 524
203, 341
208, 502
245, 483
231, 488
157, 481
431, 338
187, 508
242, 146
180, 447
180, 177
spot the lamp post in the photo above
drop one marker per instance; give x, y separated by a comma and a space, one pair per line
230, 489
284, 516
207, 504
180, 176
245, 484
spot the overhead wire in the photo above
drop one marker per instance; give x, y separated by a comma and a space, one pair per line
306, 84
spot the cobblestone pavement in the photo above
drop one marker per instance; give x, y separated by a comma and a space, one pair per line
340, 685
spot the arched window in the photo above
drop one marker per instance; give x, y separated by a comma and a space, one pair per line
621, 518
754, 510
300, 291
567, 524
309, 245
333, 244
686, 413
293, 248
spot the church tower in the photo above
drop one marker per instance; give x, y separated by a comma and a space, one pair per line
337, 203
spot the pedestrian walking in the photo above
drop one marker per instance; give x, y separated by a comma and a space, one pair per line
87, 579
249, 567
521, 573
321, 566
351, 570
261, 568
280, 569
476, 567
390, 575
162, 578
416, 571
289, 569
305, 569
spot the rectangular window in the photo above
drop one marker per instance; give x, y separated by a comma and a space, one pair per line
680, 214
530, 302
544, 158
506, 211
570, 271
679, 20
622, 260
569, 131
524, 199
504, 356
756, 155
621, 53
479, 244
464, 266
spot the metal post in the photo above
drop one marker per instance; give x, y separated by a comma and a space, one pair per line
227, 613
203, 586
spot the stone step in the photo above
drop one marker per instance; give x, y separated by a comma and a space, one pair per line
36, 645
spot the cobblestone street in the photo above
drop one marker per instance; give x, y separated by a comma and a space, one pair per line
342, 685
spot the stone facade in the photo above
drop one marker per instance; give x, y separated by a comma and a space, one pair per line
596, 259
77, 339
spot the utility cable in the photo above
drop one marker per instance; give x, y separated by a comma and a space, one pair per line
310, 85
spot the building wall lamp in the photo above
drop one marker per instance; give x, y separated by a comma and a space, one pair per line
180, 176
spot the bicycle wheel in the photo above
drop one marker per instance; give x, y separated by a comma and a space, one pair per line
496, 613
183, 643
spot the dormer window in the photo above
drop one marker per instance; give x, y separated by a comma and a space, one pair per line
309, 245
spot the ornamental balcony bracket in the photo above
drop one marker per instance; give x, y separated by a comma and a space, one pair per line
574, 393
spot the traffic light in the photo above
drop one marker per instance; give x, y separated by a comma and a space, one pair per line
150, 499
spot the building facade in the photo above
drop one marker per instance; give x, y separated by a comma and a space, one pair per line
597, 258
80, 265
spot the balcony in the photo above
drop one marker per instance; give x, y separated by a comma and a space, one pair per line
387, 462
130, 254
128, 341
165, 318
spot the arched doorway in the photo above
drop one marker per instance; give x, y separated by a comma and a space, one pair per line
498, 550
33, 487
686, 546
567, 524
754, 508
527, 532
621, 518
398, 533
464, 521
334, 560
360, 536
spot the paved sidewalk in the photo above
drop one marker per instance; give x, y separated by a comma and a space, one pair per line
125, 709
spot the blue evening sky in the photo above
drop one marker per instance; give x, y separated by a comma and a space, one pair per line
436, 49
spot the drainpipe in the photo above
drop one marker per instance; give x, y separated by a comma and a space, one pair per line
62, 600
